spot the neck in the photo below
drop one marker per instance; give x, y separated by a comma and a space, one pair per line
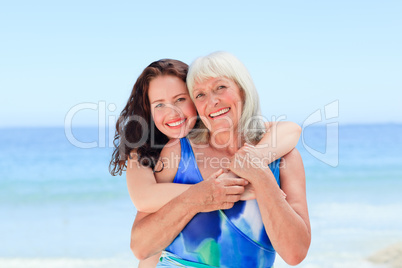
228, 141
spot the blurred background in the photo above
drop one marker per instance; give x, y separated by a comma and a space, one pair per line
67, 69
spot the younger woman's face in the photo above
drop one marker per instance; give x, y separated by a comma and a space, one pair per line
172, 109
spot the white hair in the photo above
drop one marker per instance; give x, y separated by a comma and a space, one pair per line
224, 64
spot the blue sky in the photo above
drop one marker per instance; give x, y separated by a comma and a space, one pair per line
303, 55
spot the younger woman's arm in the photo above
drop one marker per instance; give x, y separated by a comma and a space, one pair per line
146, 194
149, 196
280, 138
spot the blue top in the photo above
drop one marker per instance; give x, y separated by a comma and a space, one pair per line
234, 237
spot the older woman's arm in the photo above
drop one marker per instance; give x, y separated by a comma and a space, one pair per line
286, 220
280, 138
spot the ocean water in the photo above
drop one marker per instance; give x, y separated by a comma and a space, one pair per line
59, 206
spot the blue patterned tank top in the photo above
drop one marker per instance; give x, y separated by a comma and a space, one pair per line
234, 237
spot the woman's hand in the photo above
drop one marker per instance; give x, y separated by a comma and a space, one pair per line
248, 193
219, 191
249, 163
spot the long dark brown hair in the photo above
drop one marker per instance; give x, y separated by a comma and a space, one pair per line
135, 128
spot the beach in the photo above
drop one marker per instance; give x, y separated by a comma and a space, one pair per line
59, 206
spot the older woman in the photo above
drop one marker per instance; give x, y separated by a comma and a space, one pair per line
227, 102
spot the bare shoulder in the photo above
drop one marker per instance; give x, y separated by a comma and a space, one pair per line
133, 156
172, 147
133, 165
268, 125
169, 160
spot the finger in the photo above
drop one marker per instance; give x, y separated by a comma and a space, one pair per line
234, 181
217, 174
234, 190
223, 175
227, 205
233, 198
235, 170
228, 174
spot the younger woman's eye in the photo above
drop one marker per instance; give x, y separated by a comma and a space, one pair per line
181, 99
160, 105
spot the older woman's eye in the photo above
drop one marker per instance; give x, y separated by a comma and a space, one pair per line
199, 95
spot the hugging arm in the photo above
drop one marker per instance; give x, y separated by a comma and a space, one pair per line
152, 233
286, 220
280, 138
149, 196
145, 193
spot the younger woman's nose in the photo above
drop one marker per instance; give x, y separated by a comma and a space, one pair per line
173, 111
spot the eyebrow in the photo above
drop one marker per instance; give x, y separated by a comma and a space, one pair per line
160, 100
216, 82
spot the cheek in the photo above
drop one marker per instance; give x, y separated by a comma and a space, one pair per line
158, 117
236, 101
190, 110
200, 108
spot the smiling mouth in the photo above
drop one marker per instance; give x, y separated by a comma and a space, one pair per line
220, 112
176, 123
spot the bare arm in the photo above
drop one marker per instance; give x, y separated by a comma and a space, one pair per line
151, 233
280, 138
145, 193
286, 220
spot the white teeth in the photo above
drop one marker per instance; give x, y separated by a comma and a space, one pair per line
219, 112
177, 123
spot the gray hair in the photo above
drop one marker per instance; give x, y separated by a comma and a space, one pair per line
224, 64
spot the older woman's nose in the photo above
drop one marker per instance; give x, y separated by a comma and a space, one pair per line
213, 100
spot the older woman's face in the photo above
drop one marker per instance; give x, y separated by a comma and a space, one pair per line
219, 103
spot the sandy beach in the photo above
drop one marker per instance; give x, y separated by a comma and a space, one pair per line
389, 257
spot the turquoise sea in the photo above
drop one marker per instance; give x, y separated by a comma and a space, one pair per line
59, 206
